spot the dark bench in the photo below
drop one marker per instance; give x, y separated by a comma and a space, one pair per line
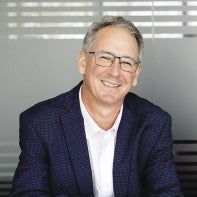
185, 156
5, 187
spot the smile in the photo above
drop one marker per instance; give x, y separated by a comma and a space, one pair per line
110, 85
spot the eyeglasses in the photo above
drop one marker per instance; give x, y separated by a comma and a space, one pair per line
106, 59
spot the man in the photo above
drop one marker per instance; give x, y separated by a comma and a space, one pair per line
99, 139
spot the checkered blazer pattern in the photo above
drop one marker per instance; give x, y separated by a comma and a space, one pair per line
54, 158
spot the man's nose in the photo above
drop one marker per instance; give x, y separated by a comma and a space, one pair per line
114, 69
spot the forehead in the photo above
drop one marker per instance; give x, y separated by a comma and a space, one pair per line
115, 40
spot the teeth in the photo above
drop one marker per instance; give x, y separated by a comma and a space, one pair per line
109, 84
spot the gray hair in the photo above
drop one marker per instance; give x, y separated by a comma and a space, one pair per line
113, 21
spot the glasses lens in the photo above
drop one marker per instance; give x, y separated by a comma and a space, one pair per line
104, 59
127, 64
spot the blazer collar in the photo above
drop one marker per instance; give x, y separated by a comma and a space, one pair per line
74, 131
123, 151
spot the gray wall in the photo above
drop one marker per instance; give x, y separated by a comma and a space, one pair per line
31, 71
169, 79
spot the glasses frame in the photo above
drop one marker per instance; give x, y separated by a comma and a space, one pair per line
137, 62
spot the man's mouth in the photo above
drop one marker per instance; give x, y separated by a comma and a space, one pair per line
109, 84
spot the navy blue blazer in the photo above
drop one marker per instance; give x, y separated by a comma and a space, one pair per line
54, 160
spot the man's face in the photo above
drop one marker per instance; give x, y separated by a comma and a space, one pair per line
108, 85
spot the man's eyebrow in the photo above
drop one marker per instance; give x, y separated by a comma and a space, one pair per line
125, 56
106, 52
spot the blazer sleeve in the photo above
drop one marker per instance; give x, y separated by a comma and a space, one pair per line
161, 173
32, 174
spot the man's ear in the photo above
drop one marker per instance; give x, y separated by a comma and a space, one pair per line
82, 62
137, 73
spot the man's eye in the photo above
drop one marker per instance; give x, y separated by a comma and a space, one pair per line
127, 63
105, 57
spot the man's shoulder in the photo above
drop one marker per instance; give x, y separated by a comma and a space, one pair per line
46, 105
53, 106
143, 106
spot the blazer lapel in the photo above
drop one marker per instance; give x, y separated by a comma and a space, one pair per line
73, 126
123, 150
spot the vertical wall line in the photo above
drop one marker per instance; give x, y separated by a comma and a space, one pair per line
154, 74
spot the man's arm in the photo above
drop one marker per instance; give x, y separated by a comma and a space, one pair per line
31, 176
161, 173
